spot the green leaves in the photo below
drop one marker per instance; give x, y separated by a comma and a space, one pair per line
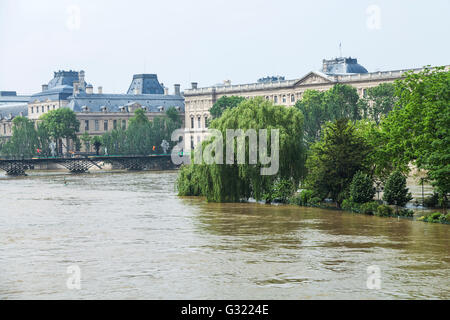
224, 103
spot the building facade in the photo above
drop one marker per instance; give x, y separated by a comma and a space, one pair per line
11, 105
100, 112
198, 101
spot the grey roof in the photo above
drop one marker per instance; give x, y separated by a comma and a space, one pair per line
145, 84
12, 97
63, 78
61, 92
342, 66
114, 101
13, 109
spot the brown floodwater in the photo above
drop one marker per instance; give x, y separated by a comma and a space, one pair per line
133, 238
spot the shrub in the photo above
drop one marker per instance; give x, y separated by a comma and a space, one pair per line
406, 213
315, 201
369, 207
348, 205
384, 211
436, 217
431, 201
361, 188
395, 190
306, 196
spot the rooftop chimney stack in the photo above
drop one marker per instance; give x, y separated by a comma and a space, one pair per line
76, 88
194, 85
177, 89
82, 84
100, 90
89, 89
44, 87
136, 90
166, 91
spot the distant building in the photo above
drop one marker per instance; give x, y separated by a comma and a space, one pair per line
101, 112
11, 105
198, 101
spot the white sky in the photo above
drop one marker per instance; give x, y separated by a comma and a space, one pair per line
208, 41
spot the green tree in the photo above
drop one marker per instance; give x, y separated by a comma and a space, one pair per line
61, 124
334, 160
86, 139
224, 103
361, 188
395, 190
24, 141
233, 182
97, 143
419, 126
380, 100
339, 102
139, 134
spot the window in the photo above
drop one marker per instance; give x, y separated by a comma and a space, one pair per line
115, 124
199, 121
43, 109
292, 98
198, 139
275, 99
48, 108
105, 125
206, 121
54, 107
192, 122
97, 125
284, 98
32, 109
86, 125
124, 124
192, 142
4, 128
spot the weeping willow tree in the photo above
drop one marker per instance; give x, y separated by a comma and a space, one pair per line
235, 181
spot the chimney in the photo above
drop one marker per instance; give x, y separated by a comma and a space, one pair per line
166, 91
194, 85
177, 89
76, 88
89, 89
44, 87
81, 80
100, 90
227, 82
136, 90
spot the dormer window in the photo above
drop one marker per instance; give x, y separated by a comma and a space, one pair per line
144, 108
161, 109
103, 109
85, 109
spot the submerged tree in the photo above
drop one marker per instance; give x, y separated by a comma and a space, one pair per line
395, 190
234, 182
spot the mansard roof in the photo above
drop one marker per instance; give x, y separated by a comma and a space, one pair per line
145, 84
13, 109
113, 102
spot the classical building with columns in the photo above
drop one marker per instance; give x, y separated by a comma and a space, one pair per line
198, 101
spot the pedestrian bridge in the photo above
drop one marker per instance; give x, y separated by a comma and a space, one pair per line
17, 167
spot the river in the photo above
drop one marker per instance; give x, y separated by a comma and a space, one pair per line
132, 238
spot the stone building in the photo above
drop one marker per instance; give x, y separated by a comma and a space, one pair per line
100, 112
11, 105
198, 101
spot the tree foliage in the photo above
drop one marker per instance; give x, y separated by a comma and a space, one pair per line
340, 102
333, 161
60, 124
361, 188
24, 141
418, 129
224, 103
395, 190
234, 182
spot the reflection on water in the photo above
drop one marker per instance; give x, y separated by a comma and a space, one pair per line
132, 237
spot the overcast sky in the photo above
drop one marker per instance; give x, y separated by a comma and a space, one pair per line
208, 41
